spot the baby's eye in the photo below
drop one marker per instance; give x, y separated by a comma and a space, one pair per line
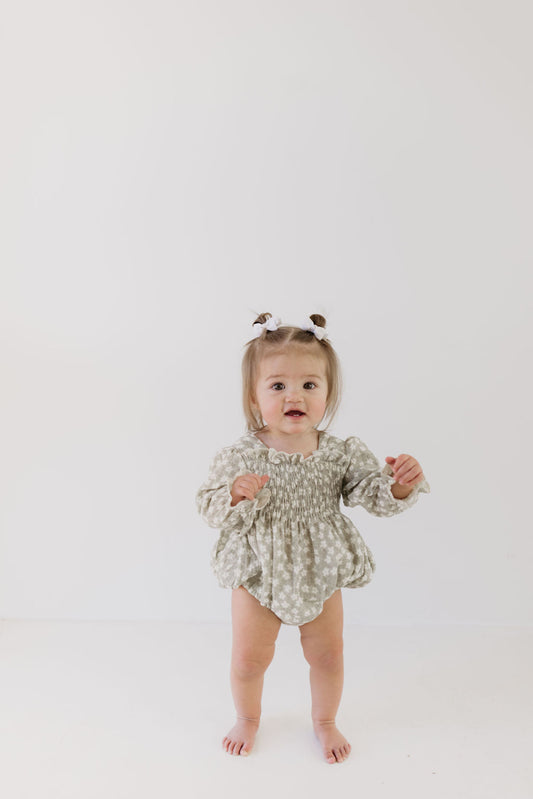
278, 386
309, 384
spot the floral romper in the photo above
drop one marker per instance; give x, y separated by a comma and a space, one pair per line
291, 547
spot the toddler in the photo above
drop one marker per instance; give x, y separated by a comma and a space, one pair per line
284, 547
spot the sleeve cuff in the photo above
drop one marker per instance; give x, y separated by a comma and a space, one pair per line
410, 499
246, 509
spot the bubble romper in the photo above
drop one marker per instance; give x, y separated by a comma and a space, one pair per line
291, 547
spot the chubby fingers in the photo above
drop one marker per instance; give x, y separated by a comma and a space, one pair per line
407, 470
247, 485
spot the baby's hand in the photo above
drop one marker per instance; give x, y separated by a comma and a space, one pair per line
407, 470
246, 487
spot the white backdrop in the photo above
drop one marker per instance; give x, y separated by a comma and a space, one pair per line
168, 170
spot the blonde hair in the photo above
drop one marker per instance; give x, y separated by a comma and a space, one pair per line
271, 341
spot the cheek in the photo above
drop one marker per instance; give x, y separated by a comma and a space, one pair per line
261, 401
268, 403
321, 401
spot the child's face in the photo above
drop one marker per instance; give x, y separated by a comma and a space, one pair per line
291, 390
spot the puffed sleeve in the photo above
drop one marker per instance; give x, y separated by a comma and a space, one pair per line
213, 499
366, 484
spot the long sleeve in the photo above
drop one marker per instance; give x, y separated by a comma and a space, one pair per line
366, 484
213, 499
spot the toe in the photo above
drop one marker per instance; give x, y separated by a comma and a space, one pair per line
244, 750
330, 757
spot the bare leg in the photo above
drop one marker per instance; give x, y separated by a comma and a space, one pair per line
255, 629
323, 649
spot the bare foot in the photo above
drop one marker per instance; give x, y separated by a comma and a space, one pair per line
335, 746
240, 739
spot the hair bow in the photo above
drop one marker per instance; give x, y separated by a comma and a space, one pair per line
271, 324
319, 332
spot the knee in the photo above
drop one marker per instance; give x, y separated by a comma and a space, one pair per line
324, 654
247, 664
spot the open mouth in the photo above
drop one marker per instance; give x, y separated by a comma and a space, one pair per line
295, 413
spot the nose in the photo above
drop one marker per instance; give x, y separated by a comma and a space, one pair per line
294, 395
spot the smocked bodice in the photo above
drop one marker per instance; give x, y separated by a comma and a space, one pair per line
300, 490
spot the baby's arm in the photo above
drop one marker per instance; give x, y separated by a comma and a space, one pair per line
382, 493
246, 486
220, 500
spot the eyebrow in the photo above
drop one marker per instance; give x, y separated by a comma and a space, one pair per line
306, 377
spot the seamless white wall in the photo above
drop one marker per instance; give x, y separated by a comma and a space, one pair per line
170, 169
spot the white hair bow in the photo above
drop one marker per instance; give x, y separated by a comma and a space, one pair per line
271, 324
319, 332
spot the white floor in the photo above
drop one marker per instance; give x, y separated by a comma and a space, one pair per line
138, 709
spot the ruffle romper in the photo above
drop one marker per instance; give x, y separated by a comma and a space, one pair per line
291, 547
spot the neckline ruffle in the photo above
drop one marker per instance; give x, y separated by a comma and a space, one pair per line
323, 451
